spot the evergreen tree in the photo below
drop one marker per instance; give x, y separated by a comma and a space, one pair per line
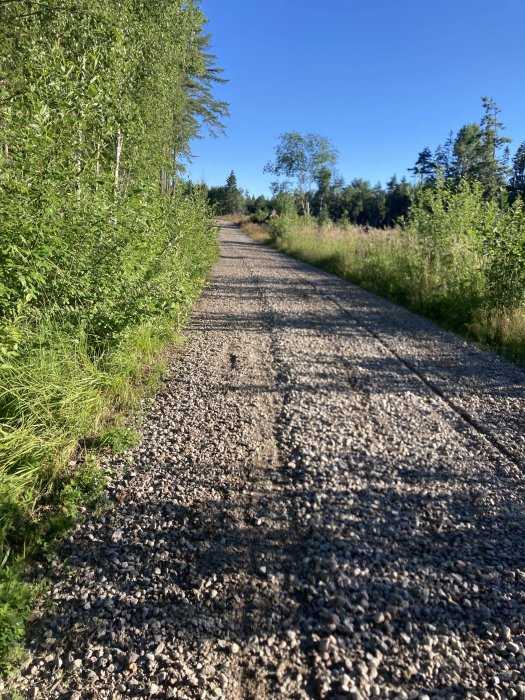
217, 199
493, 170
398, 199
227, 199
425, 166
234, 199
517, 181
443, 157
467, 153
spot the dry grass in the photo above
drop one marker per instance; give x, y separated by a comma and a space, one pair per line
395, 264
503, 329
259, 232
341, 233
237, 219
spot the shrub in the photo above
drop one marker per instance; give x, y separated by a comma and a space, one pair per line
101, 252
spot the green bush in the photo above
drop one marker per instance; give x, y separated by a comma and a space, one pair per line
505, 269
101, 250
260, 216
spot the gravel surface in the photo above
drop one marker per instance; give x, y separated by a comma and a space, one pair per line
327, 503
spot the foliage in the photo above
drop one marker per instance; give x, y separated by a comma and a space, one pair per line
90, 115
425, 166
259, 216
258, 204
493, 166
228, 199
16, 600
459, 256
307, 160
517, 181
468, 152
477, 152
102, 250
234, 197
448, 218
287, 218
448, 227
68, 388
505, 245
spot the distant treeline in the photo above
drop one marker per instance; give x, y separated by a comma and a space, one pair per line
306, 168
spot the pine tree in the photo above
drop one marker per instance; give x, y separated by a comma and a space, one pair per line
443, 157
467, 153
492, 169
234, 199
398, 199
517, 181
425, 166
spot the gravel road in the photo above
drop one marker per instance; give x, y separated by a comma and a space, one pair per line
328, 502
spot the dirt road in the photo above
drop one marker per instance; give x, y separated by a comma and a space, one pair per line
328, 502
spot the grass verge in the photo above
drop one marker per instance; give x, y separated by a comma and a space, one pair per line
61, 406
446, 285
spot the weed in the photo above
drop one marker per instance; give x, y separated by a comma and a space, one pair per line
16, 601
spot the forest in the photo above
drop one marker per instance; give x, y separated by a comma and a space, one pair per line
307, 168
101, 250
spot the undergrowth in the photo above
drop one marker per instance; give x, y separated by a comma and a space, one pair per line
102, 247
63, 399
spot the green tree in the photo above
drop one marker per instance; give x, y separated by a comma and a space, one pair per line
359, 203
425, 166
399, 197
467, 153
517, 181
493, 170
217, 199
234, 198
257, 204
355, 198
303, 159
102, 248
443, 157
227, 199
322, 196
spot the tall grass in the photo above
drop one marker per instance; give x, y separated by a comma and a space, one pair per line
60, 405
459, 260
69, 390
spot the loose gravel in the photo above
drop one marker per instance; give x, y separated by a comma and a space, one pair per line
327, 502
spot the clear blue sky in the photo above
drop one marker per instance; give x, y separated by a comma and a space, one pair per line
381, 79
